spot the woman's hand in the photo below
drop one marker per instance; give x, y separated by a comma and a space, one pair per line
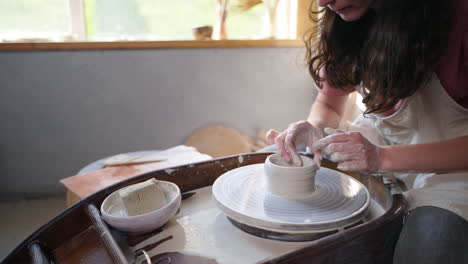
298, 133
352, 151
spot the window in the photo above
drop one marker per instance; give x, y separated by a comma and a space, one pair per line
163, 19
113, 20
34, 19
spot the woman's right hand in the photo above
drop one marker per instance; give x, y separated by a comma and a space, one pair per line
298, 133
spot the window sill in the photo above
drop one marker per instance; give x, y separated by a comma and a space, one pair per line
183, 44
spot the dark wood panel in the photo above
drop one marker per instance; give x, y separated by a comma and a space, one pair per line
83, 248
372, 242
52, 235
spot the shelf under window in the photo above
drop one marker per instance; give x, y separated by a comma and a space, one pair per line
182, 44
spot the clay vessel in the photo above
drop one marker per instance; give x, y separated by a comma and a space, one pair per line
286, 180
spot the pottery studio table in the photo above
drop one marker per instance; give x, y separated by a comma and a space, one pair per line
94, 177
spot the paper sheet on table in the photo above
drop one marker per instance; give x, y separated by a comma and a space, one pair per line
86, 184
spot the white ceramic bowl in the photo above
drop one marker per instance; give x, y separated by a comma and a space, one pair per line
114, 213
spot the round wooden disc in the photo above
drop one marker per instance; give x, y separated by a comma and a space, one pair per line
219, 141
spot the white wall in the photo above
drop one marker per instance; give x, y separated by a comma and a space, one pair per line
63, 109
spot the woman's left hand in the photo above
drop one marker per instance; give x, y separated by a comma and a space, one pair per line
352, 151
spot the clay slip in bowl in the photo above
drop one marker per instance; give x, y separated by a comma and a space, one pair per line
114, 213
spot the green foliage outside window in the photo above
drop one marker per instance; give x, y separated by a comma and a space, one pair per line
164, 19
30, 18
124, 19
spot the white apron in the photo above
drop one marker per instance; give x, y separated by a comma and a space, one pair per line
427, 116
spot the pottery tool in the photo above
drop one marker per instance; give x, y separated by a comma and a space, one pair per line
132, 159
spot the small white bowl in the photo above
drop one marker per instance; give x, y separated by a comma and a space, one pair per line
114, 213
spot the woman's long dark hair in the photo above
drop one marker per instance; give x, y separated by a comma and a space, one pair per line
392, 53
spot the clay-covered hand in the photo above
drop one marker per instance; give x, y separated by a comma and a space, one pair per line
352, 151
296, 134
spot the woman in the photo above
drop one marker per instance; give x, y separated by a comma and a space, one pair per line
409, 61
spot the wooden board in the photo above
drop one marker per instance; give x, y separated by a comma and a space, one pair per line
219, 141
83, 185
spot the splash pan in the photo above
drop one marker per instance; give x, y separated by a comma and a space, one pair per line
339, 201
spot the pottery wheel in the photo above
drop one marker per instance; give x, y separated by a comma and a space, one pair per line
338, 201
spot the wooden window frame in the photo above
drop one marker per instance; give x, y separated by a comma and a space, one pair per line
32, 46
